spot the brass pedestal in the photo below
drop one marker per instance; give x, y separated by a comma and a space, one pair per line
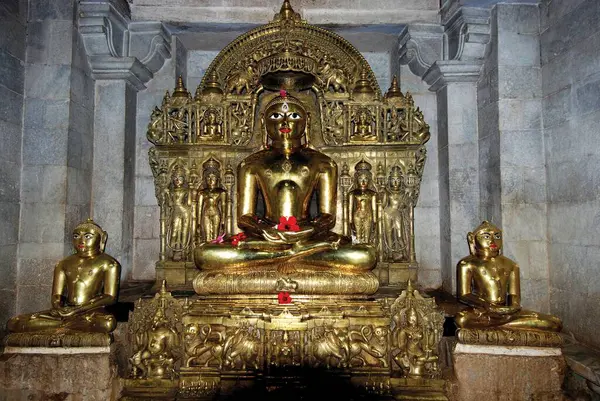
254, 343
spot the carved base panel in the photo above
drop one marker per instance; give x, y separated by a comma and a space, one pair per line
271, 282
399, 272
216, 346
509, 337
58, 338
179, 275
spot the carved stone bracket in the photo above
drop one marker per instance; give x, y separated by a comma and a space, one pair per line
441, 73
118, 48
419, 46
467, 34
453, 51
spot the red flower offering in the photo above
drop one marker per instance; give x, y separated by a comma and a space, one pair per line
288, 224
284, 298
236, 239
283, 93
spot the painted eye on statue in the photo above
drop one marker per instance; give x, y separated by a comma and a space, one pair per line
88, 236
498, 236
295, 116
75, 236
486, 236
276, 116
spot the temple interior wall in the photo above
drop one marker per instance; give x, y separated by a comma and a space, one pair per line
570, 60
13, 27
528, 163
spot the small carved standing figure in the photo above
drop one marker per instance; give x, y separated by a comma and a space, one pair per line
410, 340
362, 204
180, 211
395, 214
212, 203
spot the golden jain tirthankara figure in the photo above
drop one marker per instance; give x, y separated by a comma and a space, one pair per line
489, 282
84, 284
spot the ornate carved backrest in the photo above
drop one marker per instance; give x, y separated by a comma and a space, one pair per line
350, 120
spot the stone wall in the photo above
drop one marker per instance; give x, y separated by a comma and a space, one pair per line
146, 229
315, 11
13, 19
570, 59
521, 151
427, 211
57, 147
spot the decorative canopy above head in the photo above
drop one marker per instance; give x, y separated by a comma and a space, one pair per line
287, 52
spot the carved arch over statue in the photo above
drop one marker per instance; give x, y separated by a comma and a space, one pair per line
288, 43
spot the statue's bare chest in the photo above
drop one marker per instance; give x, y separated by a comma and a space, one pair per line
492, 279
83, 273
287, 173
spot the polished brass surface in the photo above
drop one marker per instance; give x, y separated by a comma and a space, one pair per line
347, 119
418, 328
489, 282
509, 337
362, 205
155, 339
225, 339
287, 173
84, 284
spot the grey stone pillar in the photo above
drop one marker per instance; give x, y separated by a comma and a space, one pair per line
114, 148
124, 56
455, 84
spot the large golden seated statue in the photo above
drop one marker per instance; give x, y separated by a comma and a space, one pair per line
489, 283
286, 249
84, 284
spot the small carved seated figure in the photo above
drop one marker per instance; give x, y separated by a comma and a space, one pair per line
156, 358
84, 284
211, 128
489, 283
287, 239
362, 126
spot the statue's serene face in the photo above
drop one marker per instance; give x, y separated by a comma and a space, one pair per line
488, 240
285, 121
211, 180
394, 183
362, 180
178, 181
86, 241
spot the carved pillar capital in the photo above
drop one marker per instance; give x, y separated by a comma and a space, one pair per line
441, 73
466, 33
118, 48
419, 46
451, 52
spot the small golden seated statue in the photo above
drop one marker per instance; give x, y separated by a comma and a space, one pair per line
84, 284
284, 249
489, 282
